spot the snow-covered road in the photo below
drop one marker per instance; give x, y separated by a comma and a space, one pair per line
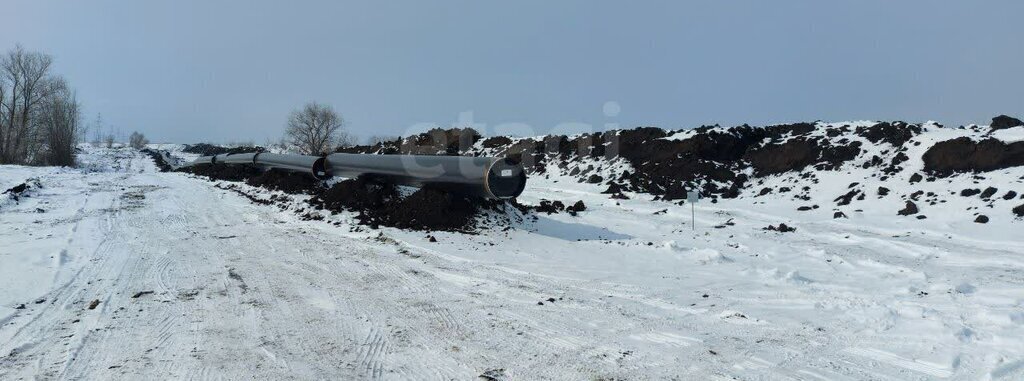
193, 281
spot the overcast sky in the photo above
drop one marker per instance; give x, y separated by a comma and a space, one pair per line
220, 71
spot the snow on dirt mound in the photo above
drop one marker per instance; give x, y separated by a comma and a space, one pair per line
17, 192
381, 204
160, 158
376, 204
206, 149
841, 170
835, 168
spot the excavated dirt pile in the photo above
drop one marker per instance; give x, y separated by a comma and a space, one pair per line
713, 156
222, 172
377, 204
286, 181
430, 209
723, 160
356, 195
966, 155
380, 204
205, 149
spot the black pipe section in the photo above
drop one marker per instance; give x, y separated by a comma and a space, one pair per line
481, 176
487, 177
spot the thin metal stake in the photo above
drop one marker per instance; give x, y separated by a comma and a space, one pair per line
693, 217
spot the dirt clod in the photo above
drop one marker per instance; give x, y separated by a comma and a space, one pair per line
579, 206
782, 228
497, 374
909, 209
989, 192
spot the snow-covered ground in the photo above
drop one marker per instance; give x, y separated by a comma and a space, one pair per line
626, 290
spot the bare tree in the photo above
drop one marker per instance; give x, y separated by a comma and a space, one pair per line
108, 141
315, 129
26, 75
137, 140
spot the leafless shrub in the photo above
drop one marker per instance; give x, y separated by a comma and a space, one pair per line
137, 140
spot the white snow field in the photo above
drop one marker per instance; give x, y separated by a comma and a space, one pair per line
190, 281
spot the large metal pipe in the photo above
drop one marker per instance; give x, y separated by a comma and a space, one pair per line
313, 165
481, 176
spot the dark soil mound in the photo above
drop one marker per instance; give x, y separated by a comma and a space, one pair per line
579, 206
782, 228
797, 154
1019, 210
896, 133
965, 155
380, 204
665, 168
723, 160
453, 141
222, 171
356, 195
158, 159
206, 149
497, 141
909, 209
1003, 121
430, 209
286, 181
970, 192
550, 207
